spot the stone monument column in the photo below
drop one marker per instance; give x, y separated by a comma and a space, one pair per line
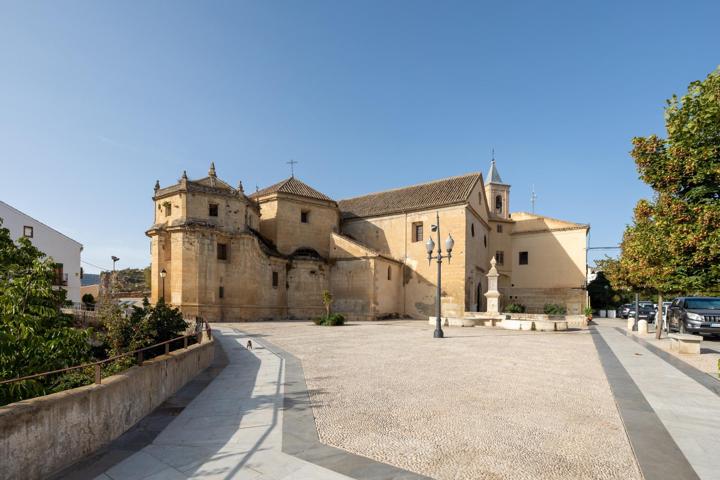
493, 295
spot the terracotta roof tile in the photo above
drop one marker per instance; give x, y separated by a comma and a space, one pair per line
438, 193
293, 186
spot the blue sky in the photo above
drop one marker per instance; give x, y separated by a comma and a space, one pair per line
100, 99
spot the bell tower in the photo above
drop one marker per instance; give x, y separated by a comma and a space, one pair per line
497, 192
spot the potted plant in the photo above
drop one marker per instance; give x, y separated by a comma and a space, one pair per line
588, 313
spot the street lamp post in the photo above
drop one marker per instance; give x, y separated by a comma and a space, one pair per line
163, 274
113, 275
430, 246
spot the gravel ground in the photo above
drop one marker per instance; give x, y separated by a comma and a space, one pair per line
481, 404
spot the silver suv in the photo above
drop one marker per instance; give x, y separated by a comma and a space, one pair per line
695, 315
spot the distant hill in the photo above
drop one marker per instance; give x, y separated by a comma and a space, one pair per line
131, 280
90, 279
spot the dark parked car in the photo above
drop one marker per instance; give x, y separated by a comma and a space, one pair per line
624, 310
647, 312
695, 315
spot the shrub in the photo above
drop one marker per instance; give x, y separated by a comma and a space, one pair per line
554, 309
333, 320
515, 308
89, 301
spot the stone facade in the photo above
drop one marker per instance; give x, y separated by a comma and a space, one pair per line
227, 256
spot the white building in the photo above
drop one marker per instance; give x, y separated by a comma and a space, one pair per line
64, 251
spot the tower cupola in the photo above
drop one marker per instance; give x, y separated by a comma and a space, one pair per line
497, 192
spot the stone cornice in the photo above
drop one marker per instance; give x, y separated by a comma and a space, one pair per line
291, 197
546, 230
192, 187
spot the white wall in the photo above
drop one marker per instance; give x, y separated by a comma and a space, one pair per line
54, 244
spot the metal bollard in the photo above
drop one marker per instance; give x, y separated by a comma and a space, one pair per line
167, 348
140, 358
185, 342
98, 374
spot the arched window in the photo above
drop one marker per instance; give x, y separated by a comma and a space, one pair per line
498, 204
389, 273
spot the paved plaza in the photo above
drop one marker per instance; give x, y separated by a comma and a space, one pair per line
385, 400
481, 403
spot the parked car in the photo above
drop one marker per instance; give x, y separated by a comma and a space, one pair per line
647, 312
624, 310
699, 315
664, 312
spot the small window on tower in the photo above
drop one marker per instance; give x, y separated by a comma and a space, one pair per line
168, 208
498, 204
389, 273
222, 251
275, 279
27, 231
499, 228
304, 216
213, 210
472, 229
523, 258
500, 257
221, 292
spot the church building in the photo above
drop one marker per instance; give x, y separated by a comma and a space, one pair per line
227, 256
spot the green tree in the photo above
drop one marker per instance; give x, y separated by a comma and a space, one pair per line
602, 294
35, 336
674, 242
145, 326
327, 300
89, 300
673, 245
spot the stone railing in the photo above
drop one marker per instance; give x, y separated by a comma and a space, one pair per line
43, 435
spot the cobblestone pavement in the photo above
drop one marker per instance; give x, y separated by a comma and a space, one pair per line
480, 404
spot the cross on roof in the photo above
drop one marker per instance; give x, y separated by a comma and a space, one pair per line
292, 164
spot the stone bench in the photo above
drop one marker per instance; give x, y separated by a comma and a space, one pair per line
550, 325
684, 343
